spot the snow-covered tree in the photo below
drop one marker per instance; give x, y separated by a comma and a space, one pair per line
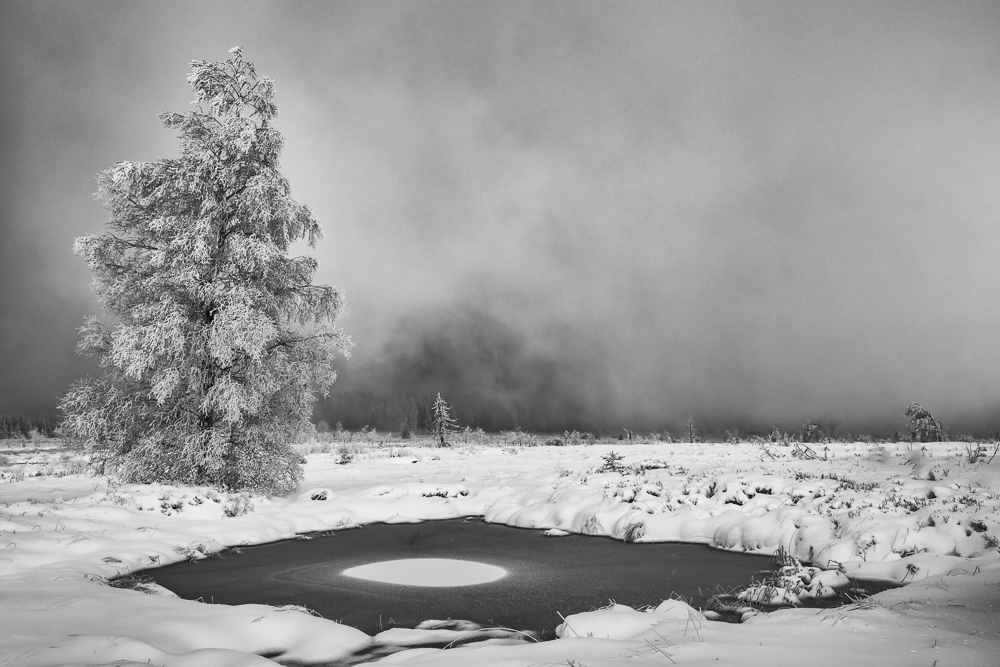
442, 425
923, 426
221, 339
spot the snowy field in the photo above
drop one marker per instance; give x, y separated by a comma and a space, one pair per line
925, 517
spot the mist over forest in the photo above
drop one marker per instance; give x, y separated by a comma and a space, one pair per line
493, 377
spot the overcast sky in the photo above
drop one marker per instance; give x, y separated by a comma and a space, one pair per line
743, 211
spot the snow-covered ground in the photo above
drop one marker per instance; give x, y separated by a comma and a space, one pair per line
923, 516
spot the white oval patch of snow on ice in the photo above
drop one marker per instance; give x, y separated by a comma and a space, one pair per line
432, 572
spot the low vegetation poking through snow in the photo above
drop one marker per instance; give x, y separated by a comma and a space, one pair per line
924, 516
794, 583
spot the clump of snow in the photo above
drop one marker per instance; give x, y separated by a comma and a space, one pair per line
446, 637
793, 583
618, 621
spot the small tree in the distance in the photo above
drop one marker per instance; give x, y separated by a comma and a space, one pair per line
442, 425
923, 426
221, 338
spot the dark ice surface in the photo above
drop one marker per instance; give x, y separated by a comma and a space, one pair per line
546, 575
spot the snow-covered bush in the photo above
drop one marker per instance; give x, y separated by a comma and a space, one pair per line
238, 505
923, 426
612, 463
344, 454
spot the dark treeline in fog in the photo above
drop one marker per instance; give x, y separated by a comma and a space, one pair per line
20, 426
489, 373
497, 378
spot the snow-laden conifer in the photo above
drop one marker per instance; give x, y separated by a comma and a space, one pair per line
220, 339
442, 425
923, 426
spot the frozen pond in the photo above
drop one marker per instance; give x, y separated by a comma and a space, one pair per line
462, 569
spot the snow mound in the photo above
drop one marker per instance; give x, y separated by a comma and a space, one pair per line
619, 621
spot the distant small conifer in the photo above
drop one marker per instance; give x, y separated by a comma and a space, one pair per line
442, 425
